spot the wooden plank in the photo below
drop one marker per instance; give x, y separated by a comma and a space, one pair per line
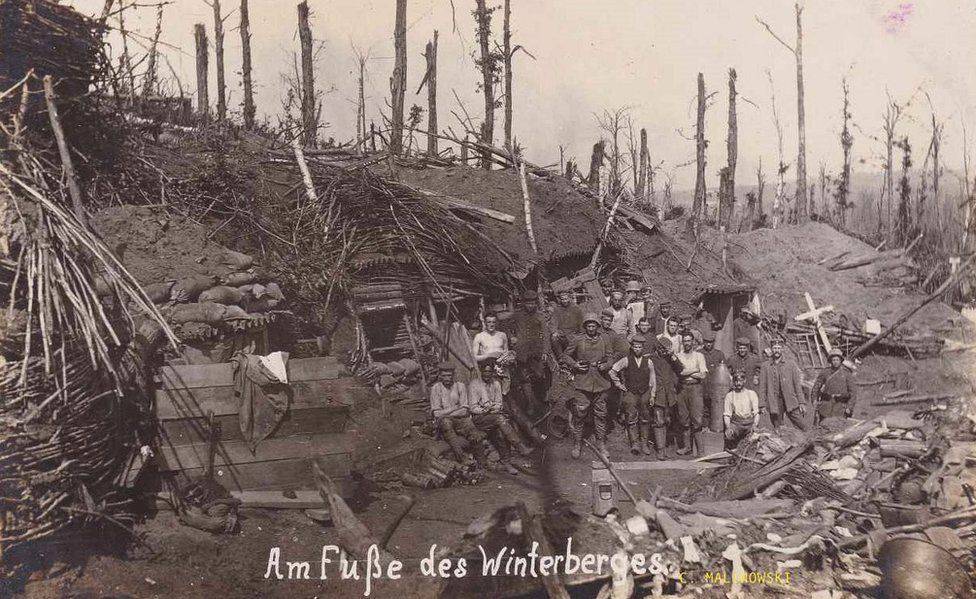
195, 376
290, 474
183, 457
188, 403
460, 204
645, 223
302, 500
330, 418
666, 465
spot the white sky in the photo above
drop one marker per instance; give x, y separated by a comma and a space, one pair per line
598, 54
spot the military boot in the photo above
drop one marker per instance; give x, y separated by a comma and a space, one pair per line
660, 442
685, 443
645, 429
633, 437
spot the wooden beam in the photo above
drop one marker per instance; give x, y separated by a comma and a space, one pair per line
453, 202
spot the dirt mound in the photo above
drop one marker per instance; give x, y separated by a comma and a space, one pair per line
158, 246
564, 221
783, 261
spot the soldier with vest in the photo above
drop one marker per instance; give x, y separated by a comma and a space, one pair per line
634, 376
834, 390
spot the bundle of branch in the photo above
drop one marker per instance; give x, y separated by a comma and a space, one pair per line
70, 363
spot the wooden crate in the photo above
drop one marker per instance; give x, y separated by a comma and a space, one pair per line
312, 430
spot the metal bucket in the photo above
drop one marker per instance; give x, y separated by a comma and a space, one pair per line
915, 569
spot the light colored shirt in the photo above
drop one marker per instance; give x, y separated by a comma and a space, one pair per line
489, 345
485, 398
744, 404
636, 313
444, 400
620, 364
622, 323
691, 362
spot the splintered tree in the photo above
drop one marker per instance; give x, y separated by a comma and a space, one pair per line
801, 158
846, 142
612, 123
641, 189
430, 80
149, 82
507, 50
727, 194
219, 60
698, 207
200, 38
398, 81
245, 30
487, 62
779, 193
904, 225
309, 115
596, 161
892, 115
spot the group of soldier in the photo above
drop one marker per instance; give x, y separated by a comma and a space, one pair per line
635, 364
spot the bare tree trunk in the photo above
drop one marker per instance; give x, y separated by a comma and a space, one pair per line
74, 190
309, 120
149, 82
846, 142
596, 161
698, 208
936, 142
219, 59
431, 55
801, 159
761, 189
200, 37
483, 18
398, 82
507, 49
732, 144
372, 136
245, 28
126, 59
361, 108
641, 189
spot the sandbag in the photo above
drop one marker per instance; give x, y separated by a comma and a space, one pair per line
208, 312
190, 288
222, 294
236, 260
261, 305
159, 293
236, 279
235, 313
409, 366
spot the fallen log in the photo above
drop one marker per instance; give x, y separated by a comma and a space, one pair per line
771, 472
746, 508
851, 435
902, 449
907, 399
353, 535
968, 513
453, 202
900, 419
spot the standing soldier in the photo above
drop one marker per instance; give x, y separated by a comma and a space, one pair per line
671, 334
621, 323
659, 321
640, 308
618, 342
530, 348
781, 387
634, 376
666, 368
452, 418
691, 402
713, 358
567, 321
745, 361
834, 391
589, 356
746, 324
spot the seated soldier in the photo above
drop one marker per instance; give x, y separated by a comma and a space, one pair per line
741, 410
487, 410
449, 406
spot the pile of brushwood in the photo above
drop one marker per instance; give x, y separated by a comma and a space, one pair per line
71, 362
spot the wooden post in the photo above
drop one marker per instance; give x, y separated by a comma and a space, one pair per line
596, 161
802, 201
69, 169
641, 188
483, 19
372, 136
219, 59
245, 28
309, 120
464, 150
361, 108
525, 205
430, 79
200, 37
698, 208
507, 49
398, 82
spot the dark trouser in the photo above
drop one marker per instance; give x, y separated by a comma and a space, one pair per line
691, 407
587, 404
636, 408
457, 429
533, 385
832, 406
496, 422
739, 427
778, 419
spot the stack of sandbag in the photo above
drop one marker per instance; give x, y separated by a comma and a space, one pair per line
235, 295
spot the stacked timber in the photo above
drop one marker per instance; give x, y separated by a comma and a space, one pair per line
197, 403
